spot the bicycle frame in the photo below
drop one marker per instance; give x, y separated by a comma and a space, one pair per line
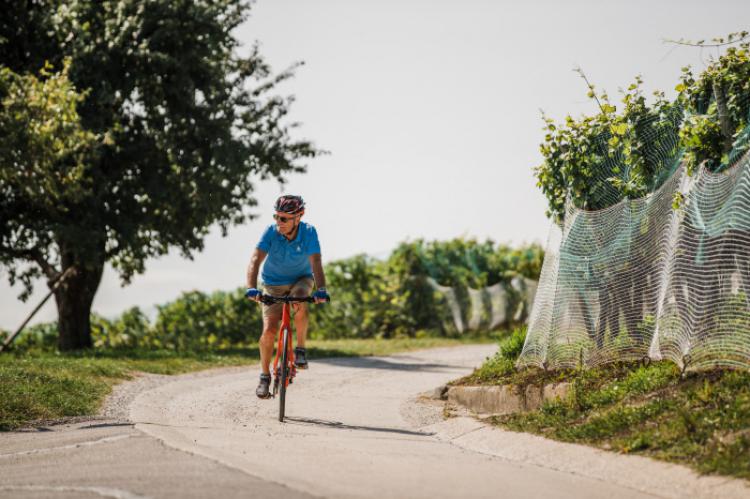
284, 369
284, 346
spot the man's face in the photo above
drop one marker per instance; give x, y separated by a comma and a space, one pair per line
286, 222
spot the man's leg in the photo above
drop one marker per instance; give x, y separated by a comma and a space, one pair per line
271, 320
267, 340
270, 326
301, 321
301, 289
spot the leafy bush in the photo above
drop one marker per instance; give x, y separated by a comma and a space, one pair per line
719, 101
496, 369
511, 347
366, 302
394, 298
371, 299
596, 161
38, 337
197, 321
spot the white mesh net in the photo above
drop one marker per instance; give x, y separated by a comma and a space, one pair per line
498, 305
450, 297
489, 307
641, 279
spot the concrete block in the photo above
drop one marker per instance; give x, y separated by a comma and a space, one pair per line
487, 399
505, 399
534, 398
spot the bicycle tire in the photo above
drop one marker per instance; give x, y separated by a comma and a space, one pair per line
284, 373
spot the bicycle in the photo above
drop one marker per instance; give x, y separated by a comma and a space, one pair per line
284, 373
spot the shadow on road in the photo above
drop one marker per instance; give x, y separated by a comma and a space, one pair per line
105, 425
344, 426
379, 363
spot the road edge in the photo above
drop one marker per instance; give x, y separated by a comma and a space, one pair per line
639, 473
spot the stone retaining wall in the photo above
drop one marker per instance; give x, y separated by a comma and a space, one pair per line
505, 399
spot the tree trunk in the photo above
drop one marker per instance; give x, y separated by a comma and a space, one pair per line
74, 298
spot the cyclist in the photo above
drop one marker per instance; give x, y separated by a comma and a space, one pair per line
291, 252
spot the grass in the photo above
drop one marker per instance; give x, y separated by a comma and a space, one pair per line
701, 419
38, 386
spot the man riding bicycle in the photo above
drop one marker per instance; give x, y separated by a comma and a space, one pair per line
291, 252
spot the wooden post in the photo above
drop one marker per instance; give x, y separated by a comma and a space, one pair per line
6, 344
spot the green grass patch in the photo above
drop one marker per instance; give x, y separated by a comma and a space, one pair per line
701, 420
38, 385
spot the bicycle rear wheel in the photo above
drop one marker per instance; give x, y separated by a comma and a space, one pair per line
284, 373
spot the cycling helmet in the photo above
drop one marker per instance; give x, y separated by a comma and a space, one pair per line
289, 204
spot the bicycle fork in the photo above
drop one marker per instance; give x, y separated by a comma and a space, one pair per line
290, 364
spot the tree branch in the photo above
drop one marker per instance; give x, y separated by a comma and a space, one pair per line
35, 256
591, 88
719, 42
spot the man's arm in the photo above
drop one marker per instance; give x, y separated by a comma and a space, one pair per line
252, 269
316, 262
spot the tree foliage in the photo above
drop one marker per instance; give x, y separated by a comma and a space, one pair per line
43, 147
171, 120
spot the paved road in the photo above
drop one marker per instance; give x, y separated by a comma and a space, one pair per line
106, 458
354, 430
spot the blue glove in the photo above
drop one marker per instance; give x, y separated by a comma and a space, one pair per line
252, 293
321, 294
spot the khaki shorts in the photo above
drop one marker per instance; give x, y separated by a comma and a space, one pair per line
300, 289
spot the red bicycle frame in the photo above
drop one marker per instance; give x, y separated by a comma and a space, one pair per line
283, 364
285, 338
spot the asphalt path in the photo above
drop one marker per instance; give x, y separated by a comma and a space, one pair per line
356, 427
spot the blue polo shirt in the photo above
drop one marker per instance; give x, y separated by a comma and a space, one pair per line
288, 261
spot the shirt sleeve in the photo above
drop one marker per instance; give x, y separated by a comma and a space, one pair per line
313, 245
265, 240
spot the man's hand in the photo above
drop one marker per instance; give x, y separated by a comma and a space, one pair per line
253, 294
321, 296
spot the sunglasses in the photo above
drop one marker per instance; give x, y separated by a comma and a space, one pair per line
283, 219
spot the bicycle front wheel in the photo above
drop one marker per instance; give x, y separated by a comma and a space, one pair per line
284, 373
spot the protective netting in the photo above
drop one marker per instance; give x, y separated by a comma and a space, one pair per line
489, 307
641, 279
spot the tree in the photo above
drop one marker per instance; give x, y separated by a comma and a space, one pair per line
174, 125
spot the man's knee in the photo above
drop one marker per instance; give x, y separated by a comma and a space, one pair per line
300, 309
268, 335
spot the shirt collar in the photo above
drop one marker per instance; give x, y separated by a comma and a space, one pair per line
296, 238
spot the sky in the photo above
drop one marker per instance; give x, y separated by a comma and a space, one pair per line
431, 112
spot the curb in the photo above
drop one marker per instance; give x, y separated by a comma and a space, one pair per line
506, 399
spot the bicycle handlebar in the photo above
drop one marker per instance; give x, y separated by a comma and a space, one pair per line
268, 299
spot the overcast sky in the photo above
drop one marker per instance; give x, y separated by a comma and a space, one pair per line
431, 112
